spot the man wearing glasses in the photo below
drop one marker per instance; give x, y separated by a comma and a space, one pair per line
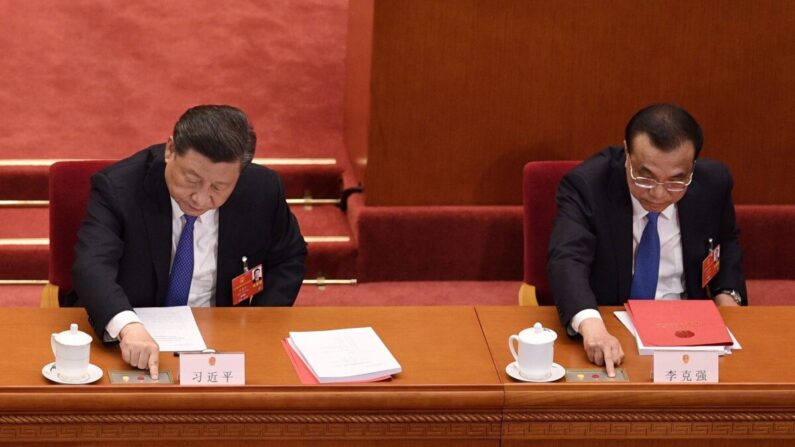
637, 222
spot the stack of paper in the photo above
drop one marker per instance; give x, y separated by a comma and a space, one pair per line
343, 355
677, 325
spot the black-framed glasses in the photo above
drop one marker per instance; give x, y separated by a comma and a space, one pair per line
650, 183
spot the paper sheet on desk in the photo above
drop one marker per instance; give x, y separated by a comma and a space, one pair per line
173, 328
344, 355
305, 375
624, 318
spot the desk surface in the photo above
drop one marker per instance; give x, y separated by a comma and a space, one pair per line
764, 333
448, 390
435, 345
453, 388
754, 399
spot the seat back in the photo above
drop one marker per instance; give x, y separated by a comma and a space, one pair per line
541, 179
767, 240
70, 184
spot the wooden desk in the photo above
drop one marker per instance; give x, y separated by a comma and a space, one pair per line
449, 392
453, 390
754, 403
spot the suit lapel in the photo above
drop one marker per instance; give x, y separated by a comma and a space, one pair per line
230, 248
157, 219
694, 241
621, 227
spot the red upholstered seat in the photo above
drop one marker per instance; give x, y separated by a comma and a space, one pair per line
69, 189
768, 240
541, 179
766, 237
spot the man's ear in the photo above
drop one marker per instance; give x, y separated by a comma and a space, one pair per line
170, 150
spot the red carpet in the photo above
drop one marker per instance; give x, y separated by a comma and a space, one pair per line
24, 223
34, 222
101, 79
771, 292
330, 259
419, 293
20, 296
408, 293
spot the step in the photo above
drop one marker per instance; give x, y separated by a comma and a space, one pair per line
24, 261
23, 182
332, 251
326, 260
318, 221
438, 243
24, 250
300, 180
24, 223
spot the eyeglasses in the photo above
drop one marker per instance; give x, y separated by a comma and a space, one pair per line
650, 183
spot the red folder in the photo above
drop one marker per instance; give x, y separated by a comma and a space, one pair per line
678, 322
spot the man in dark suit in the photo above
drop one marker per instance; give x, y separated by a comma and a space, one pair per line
597, 255
171, 224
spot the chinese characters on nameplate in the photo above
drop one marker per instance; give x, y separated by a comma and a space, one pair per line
685, 367
212, 369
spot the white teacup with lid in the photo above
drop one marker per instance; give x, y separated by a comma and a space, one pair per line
536, 351
72, 350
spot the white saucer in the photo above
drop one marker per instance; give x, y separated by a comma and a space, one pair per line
556, 373
94, 373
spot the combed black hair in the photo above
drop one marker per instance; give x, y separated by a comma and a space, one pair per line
667, 125
219, 132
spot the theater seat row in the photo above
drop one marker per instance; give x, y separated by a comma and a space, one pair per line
474, 254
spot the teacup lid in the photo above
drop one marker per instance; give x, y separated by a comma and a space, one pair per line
538, 335
73, 337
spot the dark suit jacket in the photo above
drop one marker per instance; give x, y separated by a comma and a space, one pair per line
590, 251
123, 253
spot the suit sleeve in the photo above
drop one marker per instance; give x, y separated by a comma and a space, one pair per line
571, 252
97, 253
285, 257
730, 275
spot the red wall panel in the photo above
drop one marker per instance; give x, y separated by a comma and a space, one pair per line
463, 93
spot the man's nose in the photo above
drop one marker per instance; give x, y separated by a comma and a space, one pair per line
202, 197
658, 191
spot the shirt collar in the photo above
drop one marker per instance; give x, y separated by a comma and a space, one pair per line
638, 212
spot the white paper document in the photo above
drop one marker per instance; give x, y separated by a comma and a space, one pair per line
625, 319
173, 328
344, 355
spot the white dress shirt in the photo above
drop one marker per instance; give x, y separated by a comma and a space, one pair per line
205, 261
671, 279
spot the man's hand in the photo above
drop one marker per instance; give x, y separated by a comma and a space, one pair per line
601, 347
139, 349
724, 299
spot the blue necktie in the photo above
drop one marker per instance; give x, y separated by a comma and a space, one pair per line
182, 268
647, 261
